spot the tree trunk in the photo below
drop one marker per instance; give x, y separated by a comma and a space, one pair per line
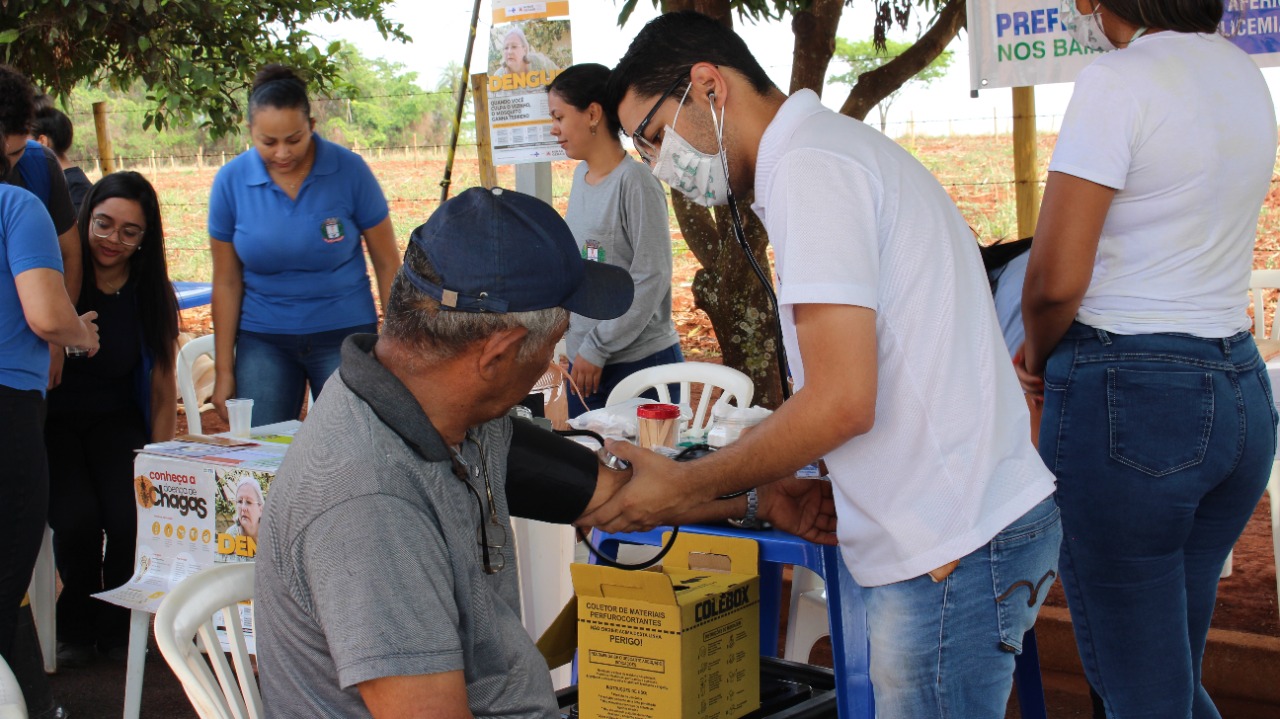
725, 287
874, 86
815, 43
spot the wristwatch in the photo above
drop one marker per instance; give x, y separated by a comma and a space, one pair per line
749, 520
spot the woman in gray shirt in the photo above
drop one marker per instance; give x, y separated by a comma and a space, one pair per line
618, 214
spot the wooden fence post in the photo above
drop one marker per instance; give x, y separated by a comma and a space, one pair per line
1024, 159
104, 137
484, 151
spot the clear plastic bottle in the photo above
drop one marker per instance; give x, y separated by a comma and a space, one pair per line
727, 429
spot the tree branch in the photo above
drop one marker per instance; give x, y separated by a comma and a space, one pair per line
815, 43
874, 86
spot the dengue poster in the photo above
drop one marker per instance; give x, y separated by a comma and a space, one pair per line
1023, 42
529, 44
239, 501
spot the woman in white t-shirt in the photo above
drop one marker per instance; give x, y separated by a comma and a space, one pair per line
1158, 415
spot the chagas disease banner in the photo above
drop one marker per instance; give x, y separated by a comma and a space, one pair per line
176, 529
1015, 43
527, 49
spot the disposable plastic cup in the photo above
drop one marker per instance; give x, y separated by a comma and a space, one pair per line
240, 417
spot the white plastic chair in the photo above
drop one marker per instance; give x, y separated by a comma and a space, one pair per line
736, 386
12, 703
1259, 282
186, 634
807, 621
187, 357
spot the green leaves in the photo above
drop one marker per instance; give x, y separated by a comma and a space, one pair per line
201, 52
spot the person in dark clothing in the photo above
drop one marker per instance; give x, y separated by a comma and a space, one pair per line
53, 129
108, 406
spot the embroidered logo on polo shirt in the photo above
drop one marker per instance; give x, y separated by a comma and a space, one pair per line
332, 230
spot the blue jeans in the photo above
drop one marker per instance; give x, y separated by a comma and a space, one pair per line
1162, 445
946, 649
612, 374
274, 370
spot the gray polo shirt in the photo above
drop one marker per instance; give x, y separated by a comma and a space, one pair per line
369, 563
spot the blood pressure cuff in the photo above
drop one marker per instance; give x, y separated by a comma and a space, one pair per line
549, 478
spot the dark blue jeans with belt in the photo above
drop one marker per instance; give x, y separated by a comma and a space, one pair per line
1162, 445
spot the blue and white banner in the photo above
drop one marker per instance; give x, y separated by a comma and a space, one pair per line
1016, 43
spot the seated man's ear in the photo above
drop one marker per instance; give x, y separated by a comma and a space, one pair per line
498, 350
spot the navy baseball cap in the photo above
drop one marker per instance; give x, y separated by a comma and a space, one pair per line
503, 251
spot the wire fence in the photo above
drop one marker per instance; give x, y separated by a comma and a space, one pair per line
976, 172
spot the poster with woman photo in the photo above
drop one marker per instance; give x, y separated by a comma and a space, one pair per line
239, 502
529, 44
528, 54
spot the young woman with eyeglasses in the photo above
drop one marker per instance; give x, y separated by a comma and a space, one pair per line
108, 406
618, 214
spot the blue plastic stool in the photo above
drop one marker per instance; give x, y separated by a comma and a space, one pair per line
845, 612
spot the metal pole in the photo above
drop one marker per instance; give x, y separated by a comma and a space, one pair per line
462, 97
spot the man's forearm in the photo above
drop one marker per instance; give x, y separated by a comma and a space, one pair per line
804, 428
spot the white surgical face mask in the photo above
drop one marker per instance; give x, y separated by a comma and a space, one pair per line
701, 177
1085, 29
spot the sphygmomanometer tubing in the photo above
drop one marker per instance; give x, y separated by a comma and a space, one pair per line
549, 478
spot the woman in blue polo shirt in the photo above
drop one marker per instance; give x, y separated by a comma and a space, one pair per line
34, 311
289, 277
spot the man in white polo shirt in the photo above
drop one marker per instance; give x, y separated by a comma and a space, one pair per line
904, 386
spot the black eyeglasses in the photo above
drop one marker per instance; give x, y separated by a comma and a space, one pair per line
648, 151
491, 535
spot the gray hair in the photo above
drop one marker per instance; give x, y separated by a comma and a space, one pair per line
251, 482
416, 319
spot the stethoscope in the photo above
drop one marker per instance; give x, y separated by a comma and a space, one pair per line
783, 371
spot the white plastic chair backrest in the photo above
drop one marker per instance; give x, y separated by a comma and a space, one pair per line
1260, 281
735, 385
185, 628
12, 703
186, 381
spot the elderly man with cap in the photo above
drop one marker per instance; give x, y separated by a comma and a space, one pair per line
386, 581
